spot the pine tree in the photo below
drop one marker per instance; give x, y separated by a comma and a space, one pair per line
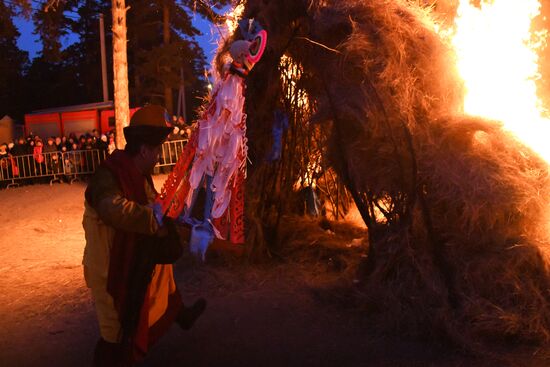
158, 53
12, 64
51, 25
75, 70
83, 58
48, 81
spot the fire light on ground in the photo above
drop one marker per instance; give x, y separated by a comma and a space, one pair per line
497, 58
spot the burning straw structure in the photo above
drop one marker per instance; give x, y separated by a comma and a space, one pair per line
457, 209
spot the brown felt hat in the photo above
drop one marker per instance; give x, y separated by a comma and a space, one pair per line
149, 125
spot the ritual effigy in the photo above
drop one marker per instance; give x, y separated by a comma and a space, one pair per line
215, 158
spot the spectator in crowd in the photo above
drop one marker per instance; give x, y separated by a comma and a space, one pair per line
3, 150
59, 143
102, 144
185, 132
72, 136
70, 144
175, 134
39, 161
95, 135
57, 164
76, 158
90, 160
5, 162
50, 145
20, 148
89, 144
21, 155
112, 146
68, 165
49, 151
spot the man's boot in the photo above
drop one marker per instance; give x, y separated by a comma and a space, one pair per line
110, 354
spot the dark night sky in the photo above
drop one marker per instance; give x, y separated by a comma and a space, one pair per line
31, 42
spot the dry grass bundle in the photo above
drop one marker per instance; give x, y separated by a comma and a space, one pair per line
457, 209
488, 198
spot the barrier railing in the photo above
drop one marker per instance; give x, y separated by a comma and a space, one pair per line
69, 166
170, 152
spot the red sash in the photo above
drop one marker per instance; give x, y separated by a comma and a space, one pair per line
123, 255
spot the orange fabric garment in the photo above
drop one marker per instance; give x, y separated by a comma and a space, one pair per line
162, 285
158, 304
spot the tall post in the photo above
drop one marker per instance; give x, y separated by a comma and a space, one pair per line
120, 71
168, 99
182, 109
103, 59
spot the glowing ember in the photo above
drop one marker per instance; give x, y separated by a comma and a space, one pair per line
497, 58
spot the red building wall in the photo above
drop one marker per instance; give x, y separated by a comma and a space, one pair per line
80, 122
64, 123
43, 125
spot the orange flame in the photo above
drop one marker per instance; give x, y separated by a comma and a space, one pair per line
232, 18
497, 58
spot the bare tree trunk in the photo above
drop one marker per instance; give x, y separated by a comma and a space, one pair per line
120, 68
168, 98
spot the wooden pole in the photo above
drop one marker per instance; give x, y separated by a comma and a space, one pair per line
103, 59
182, 109
168, 98
120, 71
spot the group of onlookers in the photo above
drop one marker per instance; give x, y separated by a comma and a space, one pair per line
30, 159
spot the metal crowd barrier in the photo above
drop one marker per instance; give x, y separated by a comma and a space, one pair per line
52, 165
170, 152
69, 166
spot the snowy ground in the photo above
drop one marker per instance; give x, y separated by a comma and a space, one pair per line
256, 316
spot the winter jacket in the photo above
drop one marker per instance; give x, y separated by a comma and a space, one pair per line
37, 154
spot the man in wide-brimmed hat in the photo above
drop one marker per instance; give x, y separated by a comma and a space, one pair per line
130, 248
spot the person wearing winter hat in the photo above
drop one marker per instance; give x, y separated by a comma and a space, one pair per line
130, 248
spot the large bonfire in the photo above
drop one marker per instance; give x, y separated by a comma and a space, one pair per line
457, 207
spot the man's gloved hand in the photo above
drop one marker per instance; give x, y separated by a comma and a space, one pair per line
202, 235
166, 248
